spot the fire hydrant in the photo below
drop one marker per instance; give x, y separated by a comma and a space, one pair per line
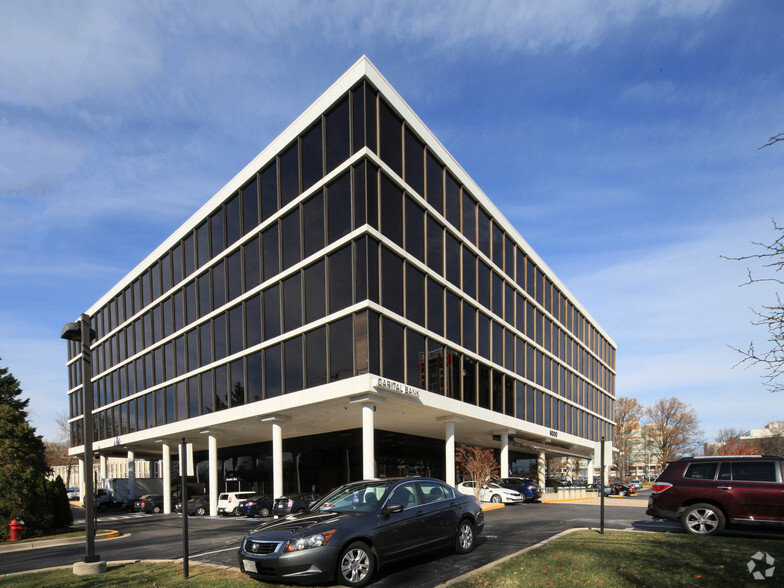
16, 530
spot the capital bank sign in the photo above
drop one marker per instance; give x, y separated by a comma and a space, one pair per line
397, 387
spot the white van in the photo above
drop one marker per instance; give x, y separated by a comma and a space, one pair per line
228, 502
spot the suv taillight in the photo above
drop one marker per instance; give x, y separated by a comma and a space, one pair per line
659, 487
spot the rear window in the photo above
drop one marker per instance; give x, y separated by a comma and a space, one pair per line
701, 471
754, 471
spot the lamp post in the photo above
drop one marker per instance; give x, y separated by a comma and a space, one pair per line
80, 331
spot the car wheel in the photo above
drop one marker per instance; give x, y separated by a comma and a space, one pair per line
703, 519
495, 498
156, 509
356, 565
201, 511
264, 512
466, 537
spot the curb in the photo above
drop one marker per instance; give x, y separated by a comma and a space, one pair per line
490, 506
43, 544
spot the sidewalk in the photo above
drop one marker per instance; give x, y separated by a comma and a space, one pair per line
7, 547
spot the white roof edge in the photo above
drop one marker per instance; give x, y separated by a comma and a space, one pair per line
363, 67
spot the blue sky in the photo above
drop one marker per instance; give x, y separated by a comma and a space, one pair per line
620, 138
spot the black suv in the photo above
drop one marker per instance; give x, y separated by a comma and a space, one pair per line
707, 493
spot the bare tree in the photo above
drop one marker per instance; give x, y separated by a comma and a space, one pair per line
476, 463
57, 447
771, 356
626, 438
674, 428
772, 140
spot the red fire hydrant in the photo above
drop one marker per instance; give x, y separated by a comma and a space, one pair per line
16, 530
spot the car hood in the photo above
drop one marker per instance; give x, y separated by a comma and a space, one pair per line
303, 523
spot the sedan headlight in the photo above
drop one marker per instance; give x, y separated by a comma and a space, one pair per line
310, 541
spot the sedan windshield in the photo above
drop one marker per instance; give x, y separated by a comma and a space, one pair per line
354, 498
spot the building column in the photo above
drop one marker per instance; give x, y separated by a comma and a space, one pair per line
131, 475
368, 442
449, 449
102, 461
505, 435
541, 468
590, 471
212, 451
166, 454
81, 479
277, 421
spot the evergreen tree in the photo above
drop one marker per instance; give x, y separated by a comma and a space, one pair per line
23, 468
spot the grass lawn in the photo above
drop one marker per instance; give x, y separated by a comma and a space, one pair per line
625, 559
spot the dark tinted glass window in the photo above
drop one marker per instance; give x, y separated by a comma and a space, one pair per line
203, 243
339, 207
483, 284
234, 267
392, 358
207, 392
391, 281
390, 127
236, 338
498, 245
452, 201
483, 228
498, 343
483, 334
312, 160
219, 285
754, 471
221, 388
205, 304
237, 382
469, 217
509, 256
289, 229
469, 273
340, 284
270, 247
391, 210
219, 336
360, 269
177, 275
292, 303
250, 207
452, 317
435, 307
415, 295
205, 342
313, 219
293, 358
273, 369
289, 175
166, 284
469, 327
358, 115
255, 377
269, 191
371, 115
483, 386
360, 194
216, 226
252, 264
233, 227
341, 352
272, 312
316, 357
435, 184
315, 298
415, 229
415, 358
452, 254
435, 245
188, 259
498, 294
415, 163
253, 320
338, 135
701, 470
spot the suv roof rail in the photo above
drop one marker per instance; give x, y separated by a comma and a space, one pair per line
731, 457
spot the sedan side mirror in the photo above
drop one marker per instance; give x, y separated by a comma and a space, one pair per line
392, 509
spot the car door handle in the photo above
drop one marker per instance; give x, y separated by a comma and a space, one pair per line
724, 487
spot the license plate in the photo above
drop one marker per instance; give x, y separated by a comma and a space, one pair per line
249, 565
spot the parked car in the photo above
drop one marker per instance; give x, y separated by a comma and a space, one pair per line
149, 503
229, 501
618, 489
294, 503
73, 493
635, 484
258, 505
705, 494
359, 527
530, 490
198, 505
490, 492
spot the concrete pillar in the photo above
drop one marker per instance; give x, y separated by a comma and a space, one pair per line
212, 451
166, 454
81, 480
368, 442
277, 459
504, 455
131, 476
449, 435
102, 461
541, 468
590, 471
